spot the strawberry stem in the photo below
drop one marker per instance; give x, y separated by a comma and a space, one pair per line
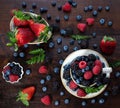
108, 38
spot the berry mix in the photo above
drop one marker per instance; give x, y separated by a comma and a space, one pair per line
85, 72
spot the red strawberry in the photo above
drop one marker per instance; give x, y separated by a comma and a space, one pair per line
26, 94
72, 85
18, 22
98, 62
37, 28
82, 64
24, 36
43, 70
13, 78
108, 45
96, 70
88, 75
90, 21
66, 7
81, 93
81, 27
46, 100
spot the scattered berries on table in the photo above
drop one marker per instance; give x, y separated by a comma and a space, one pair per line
66, 7
43, 70
81, 27
46, 100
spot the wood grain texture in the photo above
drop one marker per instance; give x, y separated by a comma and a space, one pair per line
8, 91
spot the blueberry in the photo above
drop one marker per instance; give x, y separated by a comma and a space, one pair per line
87, 68
48, 17
83, 103
95, 13
69, 31
59, 7
117, 74
62, 93
74, 4
66, 17
26, 45
93, 101
11, 64
83, 70
79, 42
70, 1
56, 102
77, 81
78, 17
67, 101
51, 45
106, 93
57, 19
85, 8
43, 10
44, 89
61, 62
72, 41
90, 7
65, 48
101, 101
66, 75
48, 77
110, 23
95, 46
75, 48
53, 3
6, 77
21, 54
55, 85
42, 81
107, 8
59, 40
59, 50
31, 11
34, 5
15, 54
8, 72
99, 8
56, 70
94, 34
24, 4
28, 71
102, 21
63, 32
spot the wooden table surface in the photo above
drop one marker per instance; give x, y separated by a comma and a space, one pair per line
8, 91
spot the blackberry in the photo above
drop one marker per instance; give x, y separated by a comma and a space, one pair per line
16, 70
85, 83
84, 44
91, 57
106, 80
69, 31
90, 64
55, 27
66, 75
67, 67
78, 73
55, 85
115, 90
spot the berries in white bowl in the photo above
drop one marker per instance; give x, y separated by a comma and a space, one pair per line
12, 72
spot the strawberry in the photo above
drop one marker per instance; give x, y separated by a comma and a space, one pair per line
81, 27
13, 78
72, 85
66, 7
26, 94
90, 21
108, 45
24, 36
96, 70
82, 64
88, 75
46, 100
43, 70
37, 28
81, 93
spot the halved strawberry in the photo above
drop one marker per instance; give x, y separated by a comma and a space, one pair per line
13, 78
26, 94
37, 28
24, 36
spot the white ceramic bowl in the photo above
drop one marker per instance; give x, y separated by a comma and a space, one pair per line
22, 72
70, 58
12, 28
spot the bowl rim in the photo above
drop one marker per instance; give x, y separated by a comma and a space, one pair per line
20, 75
70, 58
12, 27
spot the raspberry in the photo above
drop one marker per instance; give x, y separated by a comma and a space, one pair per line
13, 78
98, 62
43, 70
90, 21
66, 7
81, 93
72, 85
46, 100
81, 27
88, 75
96, 70
82, 64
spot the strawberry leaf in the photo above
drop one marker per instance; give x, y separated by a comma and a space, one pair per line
115, 64
108, 38
79, 37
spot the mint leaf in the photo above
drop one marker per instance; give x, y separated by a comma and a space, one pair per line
79, 37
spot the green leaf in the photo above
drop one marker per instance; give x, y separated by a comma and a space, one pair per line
25, 102
36, 51
115, 64
108, 38
79, 37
